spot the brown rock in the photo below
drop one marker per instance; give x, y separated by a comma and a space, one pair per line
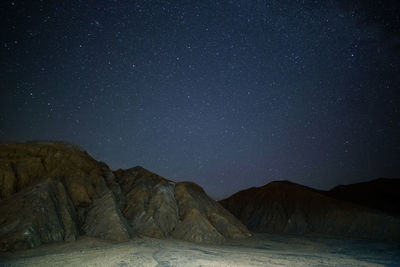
150, 204
150, 208
202, 218
26, 164
105, 220
196, 228
158, 207
40, 214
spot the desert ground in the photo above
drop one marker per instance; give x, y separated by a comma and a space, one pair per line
259, 250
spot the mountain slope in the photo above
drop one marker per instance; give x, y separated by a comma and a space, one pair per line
157, 207
285, 207
76, 195
27, 167
381, 194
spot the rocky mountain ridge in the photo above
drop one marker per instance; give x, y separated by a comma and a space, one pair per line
54, 192
51, 191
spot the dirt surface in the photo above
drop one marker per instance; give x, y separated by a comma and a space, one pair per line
259, 250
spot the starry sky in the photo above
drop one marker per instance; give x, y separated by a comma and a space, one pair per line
228, 94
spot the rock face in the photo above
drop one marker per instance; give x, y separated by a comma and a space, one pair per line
202, 219
150, 207
285, 207
93, 208
40, 214
54, 192
380, 194
27, 164
158, 207
105, 220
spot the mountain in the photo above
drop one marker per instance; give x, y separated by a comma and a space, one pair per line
52, 191
381, 194
157, 207
286, 207
43, 185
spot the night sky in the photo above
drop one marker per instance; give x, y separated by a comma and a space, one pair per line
228, 94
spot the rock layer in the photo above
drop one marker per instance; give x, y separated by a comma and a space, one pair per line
158, 207
40, 214
75, 194
35, 164
26, 164
285, 207
151, 208
105, 220
202, 218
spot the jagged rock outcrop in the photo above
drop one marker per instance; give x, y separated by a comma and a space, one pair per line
105, 220
158, 207
75, 194
380, 194
285, 207
39, 214
23, 165
26, 164
150, 208
202, 218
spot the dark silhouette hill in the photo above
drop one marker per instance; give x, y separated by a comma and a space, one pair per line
52, 191
286, 207
381, 194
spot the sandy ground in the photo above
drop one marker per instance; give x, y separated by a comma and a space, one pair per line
259, 250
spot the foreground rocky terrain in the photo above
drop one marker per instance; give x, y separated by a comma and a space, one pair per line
285, 207
53, 192
157, 207
258, 250
56, 193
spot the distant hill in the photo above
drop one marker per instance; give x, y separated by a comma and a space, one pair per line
286, 207
382, 194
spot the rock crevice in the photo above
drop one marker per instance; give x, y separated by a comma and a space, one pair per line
158, 207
